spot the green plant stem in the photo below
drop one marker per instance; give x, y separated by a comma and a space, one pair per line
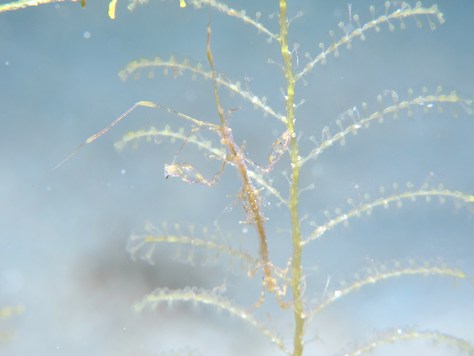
295, 173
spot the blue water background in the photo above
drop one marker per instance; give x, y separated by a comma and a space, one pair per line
64, 233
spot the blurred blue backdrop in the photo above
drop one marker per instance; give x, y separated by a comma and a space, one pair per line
64, 233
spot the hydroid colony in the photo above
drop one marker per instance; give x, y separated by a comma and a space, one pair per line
287, 283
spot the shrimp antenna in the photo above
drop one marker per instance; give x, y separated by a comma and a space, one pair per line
99, 133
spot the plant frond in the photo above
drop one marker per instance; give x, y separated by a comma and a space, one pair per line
384, 272
179, 67
346, 40
426, 192
239, 14
156, 135
21, 4
425, 101
208, 297
144, 246
404, 334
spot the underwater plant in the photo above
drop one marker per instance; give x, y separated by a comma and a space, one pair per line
290, 154
275, 243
